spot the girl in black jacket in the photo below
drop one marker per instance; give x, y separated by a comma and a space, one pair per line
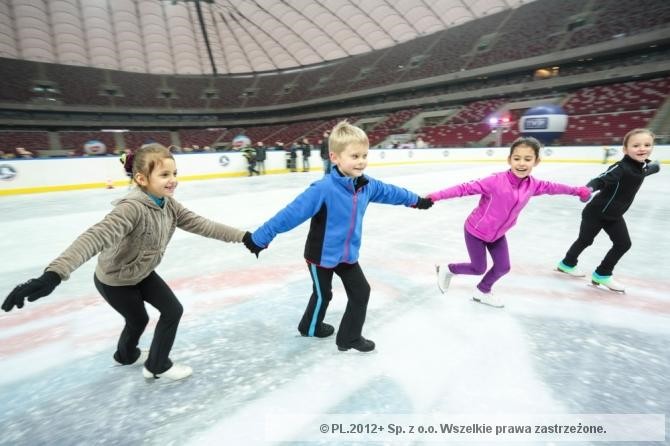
618, 186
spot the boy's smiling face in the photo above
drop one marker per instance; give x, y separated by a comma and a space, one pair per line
352, 161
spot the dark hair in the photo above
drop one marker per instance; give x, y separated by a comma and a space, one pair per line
128, 163
526, 141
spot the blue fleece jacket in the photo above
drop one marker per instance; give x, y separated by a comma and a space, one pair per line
336, 204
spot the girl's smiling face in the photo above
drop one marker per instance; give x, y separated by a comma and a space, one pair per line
522, 160
162, 181
639, 146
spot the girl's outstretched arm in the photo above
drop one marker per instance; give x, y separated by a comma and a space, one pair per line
549, 188
474, 187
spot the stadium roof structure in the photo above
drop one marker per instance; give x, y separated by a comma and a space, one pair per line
221, 36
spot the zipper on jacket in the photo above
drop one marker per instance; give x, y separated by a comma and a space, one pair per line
612, 197
509, 214
352, 224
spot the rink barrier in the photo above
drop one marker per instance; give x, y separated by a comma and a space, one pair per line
29, 176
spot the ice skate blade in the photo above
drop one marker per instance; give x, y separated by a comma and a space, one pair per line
563, 273
479, 301
437, 271
604, 288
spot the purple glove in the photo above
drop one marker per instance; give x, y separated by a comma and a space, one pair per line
584, 193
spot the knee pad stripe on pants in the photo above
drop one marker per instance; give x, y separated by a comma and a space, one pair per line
319, 301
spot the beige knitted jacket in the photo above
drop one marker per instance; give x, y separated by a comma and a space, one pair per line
133, 237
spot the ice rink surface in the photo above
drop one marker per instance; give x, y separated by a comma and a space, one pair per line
558, 347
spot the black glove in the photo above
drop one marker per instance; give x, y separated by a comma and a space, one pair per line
652, 167
32, 289
423, 203
249, 243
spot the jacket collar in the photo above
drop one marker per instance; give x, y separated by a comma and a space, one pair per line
138, 195
631, 161
351, 184
515, 180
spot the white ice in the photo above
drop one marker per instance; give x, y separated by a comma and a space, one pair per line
559, 346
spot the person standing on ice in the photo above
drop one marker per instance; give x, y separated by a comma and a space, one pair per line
503, 196
336, 205
617, 188
131, 241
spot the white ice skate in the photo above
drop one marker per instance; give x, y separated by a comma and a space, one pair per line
174, 373
569, 270
608, 282
490, 299
443, 277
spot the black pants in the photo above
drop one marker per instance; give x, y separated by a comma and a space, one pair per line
358, 294
251, 167
592, 223
129, 302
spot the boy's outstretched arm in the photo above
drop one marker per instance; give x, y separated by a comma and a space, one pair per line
381, 192
303, 207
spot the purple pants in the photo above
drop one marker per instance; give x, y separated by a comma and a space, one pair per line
477, 266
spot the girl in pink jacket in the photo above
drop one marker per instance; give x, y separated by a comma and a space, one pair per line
503, 196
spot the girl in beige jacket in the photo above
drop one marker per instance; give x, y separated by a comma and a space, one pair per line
131, 241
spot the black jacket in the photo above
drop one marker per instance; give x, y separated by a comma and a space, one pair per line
618, 186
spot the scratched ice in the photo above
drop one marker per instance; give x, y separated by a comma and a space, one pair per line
559, 346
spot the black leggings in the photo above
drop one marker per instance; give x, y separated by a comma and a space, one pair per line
129, 302
591, 225
358, 294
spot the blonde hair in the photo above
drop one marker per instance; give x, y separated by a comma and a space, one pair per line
148, 157
345, 134
635, 132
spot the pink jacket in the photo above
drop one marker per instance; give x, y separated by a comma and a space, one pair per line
504, 195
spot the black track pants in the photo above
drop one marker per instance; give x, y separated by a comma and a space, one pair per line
358, 294
591, 225
129, 302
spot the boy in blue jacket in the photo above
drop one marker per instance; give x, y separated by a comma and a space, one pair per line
336, 204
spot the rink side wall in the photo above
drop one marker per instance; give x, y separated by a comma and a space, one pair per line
26, 176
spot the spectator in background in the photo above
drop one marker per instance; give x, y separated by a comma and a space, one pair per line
293, 157
325, 156
306, 153
250, 154
23, 153
260, 157
420, 143
126, 160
